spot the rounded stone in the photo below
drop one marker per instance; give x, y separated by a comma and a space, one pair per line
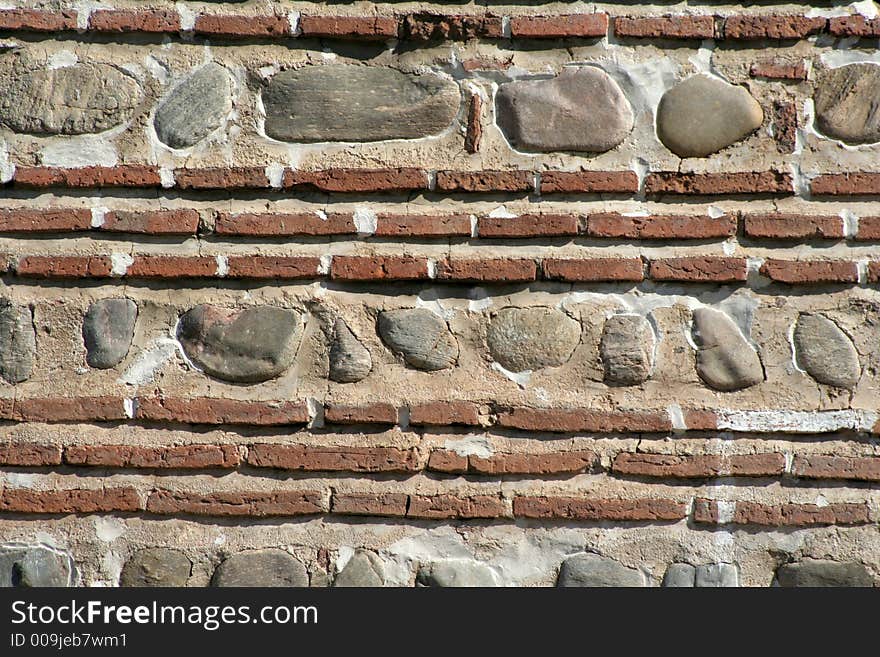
250, 345
108, 328
581, 109
156, 567
457, 573
627, 350
825, 352
815, 572
725, 359
270, 567
679, 575
421, 337
363, 569
350, 361
592, 570
18, 342
358, 104
195, 107
703, 114
33, 567
71, 100
523, 339
845, 102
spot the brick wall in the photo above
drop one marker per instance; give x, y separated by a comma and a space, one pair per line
310, 293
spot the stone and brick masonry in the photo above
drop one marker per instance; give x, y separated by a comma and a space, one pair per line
311, 294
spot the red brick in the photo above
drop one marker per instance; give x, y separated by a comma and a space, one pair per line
577, 508
772, 26
152, 222
502, 270
559, 27
183, 457
429, 27
709, 184
593, 269
64, 266
378, 268
874, 277
699, 269
846, 184
688, 466
660, 227
69, 409
485, 181
273, 267
869, 229
784, 123
443, 460
244, 26
221, 178
435, 507
666, 27
36, 20
25, 220
782, 226
312, 458
443, 413
854, 25
474, 132
370, 504
29, 454
815, 271
452, 225
356, 27
155, 21
356, 181
376, 413
700, 420
563, 420
553, 463
783, 515
706, 511
486, 64
206, 410
270, 224
528, 225
856, 468
779, 69
75, 500
131, 175
589, 182
172, 267
254, 504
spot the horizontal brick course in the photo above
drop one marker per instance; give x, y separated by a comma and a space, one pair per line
77, 500
403, 179
699, 466
370, 504
244, 26
699, 269
133, 456
357, 27
528, 225
772, 26
782, 515
283, 225
869, 229
454, 225
25, 454
375, 413
130, 175
485, 181
273, 267
253, 504
507, 270
846, 184
796, 272
583, 420
152, 222
445, 413
854, 25
660, 227
172, 267
589, 182
557, 27
856, 468
788, 226
206, 410
379, 268
553, 463
448, 506
64, 266
24, 220
37, 20
665, 27
311, 458
714, 184
589, 509
68, 409
114, 20
593, 269
221, 178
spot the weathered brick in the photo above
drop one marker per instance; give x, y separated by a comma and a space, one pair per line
253, 504
114, 20
451, 225
474, 131
207, 410
351, 27
429, 27
688, 466
578, 508
313, 458
869, 229
579, 420
64, 266
445, 506
75, 500
444, 413
485, 181
700, 420
502, 270
528, 225
819, 466
354, 181
184, 457
815, 271
785, 126
589, 182
25, 220
773, 26
243, 26
273, 267
444, 460
665, 27
874, 276
552, 463
779, 69
378, 268
172, 267
854, 25
593, 269
714, 184
699, 269
37, 20
846, 184
272, 224
370, 504
69, 409
131, 175
152, 222
781, 515
375, 413
221, 178
789, 226
26, 454
593, 26
661, 227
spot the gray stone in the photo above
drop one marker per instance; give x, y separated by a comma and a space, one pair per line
703, 114
71, 100
421, 337
350, 360
363, 569
627, 349
194, 108
593, 570
108, 328
18, 342
156, 567
270, 567
33, 567
522, 339
825, 352
250, 345
357, 103
457, 573
725, 359
814, 572
846, 103
717, 575
679, 575
581, 109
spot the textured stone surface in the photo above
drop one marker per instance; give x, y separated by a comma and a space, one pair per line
270, 567
522, 339
725, 359
33, 567
71, 100
846, 103
108, 328
717, 575
812, 572
627, 349
421, 337
456, 573
156, 567
593, 570
581, 109
703, 114
357, 103
680, 575
18, 342
195, 107
363, 569
250, 345
825, 352
350, 360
